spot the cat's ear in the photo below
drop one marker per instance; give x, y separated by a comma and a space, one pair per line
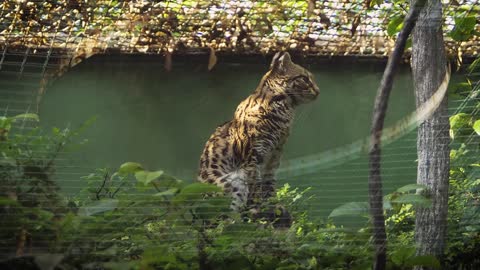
280, 61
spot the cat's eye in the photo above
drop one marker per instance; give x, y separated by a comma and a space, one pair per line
302, 80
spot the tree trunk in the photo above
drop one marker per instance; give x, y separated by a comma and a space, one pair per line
428, 67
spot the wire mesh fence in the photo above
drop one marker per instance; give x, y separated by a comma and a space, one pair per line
41, 39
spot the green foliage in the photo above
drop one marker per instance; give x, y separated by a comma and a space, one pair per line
461, 125
395, 24
464, 27
404, 258
396, 200
135, 218
464, 17
166, 224
464, 211
29, 195
6, 122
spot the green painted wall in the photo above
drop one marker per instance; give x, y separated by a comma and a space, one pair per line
163, 119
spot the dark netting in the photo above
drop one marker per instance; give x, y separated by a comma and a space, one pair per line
333, 27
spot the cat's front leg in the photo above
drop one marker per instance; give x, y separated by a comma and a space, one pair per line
253, 178
268, 173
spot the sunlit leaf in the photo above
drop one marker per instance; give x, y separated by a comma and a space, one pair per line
129, 167
25, 116
415, 199
395, 25
351, 209
146, 177
476, 127
460, 124
411, 187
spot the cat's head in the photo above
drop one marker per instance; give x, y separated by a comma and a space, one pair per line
291, 79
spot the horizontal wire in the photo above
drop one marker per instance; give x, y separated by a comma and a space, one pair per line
286, 177
361, 242
252, 238
320, 212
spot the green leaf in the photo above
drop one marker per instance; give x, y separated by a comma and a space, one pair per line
56, 131
168, 181
222, 203
460, 120
195, 192
464, 27
129, 167
5, 123
409, 43
351, 209
168, 192
387, 205
476, 127
395, 25
466, 23
402, 254
98, 207
460, 124
474, 66
147, 177
411, 187
376, 2
425, 260
29, 116
414, 199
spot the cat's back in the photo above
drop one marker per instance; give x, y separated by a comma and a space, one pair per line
217, 157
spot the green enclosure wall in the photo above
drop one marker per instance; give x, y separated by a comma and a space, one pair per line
162, 119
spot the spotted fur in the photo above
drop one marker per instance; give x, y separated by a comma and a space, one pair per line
241, 156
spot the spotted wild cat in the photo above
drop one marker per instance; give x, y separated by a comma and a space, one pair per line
241, 156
